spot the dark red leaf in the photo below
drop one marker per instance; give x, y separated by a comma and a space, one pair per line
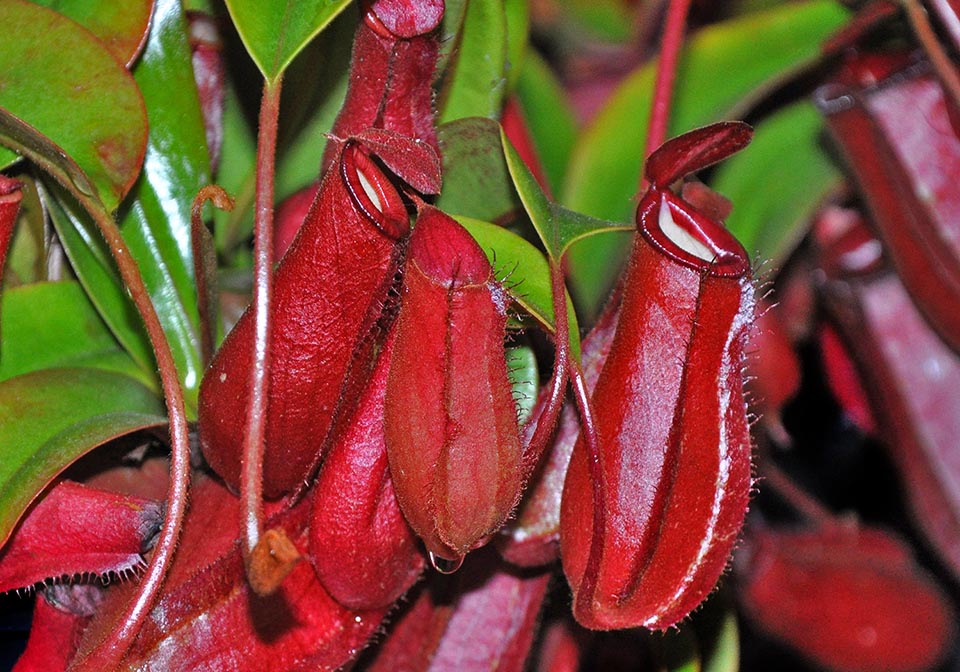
482, 619
207, 617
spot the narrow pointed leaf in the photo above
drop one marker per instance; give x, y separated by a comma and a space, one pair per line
121, 26
557, 226
50, 418
105, 131
274, 31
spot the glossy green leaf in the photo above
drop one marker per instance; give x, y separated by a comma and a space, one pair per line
50, 418
67, 332
549, 117
720, 69
525, 379
557, 226
121, 26
94, 267
525, 273
157, 224
274, 31
85, 106
475, 84
476, 182
778, 182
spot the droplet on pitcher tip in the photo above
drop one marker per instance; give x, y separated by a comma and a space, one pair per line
443, 565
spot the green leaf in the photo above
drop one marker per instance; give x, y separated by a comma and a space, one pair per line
121, 26
73, 109
720, 69
778, 182
557, 226
517, 15
274, 31
94, 267
525, 272
724, 651
475, 84
67, 332
525, 379
50, 418
549, 117
157, 224
476, 182
451, 27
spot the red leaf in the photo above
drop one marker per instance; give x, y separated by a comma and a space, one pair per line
329, 291
207, 617
674, 443
78, 531
451, 423
10, 197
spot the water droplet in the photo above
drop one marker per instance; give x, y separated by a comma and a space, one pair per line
445, 566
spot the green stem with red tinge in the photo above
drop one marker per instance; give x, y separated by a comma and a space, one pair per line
215, 194
108, 654
942, 64
670, 43
547, 420
251, 483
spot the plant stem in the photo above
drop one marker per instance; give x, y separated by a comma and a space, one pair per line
220, 199
944, 67
547, 419
794, 495
588, 432
251, 480
670, 44
108, 654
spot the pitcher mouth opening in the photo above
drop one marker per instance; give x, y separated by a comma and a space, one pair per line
372, 193
675, 228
